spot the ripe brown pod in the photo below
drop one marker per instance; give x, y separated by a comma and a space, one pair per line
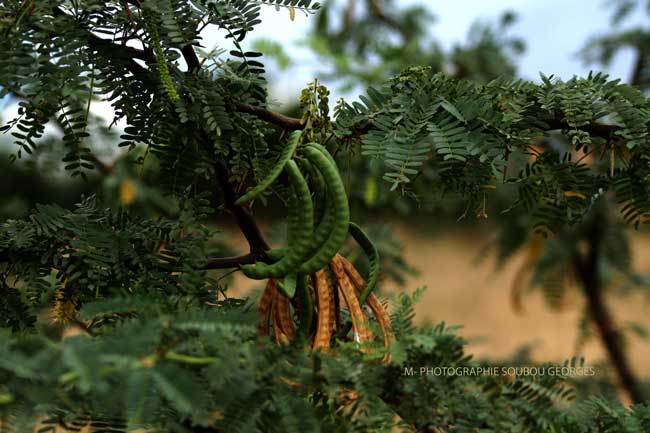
362, 334
324, 299
282, 312
266, 303
373, 302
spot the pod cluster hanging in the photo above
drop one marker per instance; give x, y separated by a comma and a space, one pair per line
334, 290
309, 282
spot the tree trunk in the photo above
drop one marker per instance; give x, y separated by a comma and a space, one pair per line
588, 274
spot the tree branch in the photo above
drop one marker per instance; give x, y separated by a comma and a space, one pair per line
636, 73
192, 60
236, 261
587, 270
279, 119
375, 10
245, 221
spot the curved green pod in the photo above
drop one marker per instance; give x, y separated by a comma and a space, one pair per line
338, 202
301, 226
288, 285
275, 254
322, 148
287, 153
327, 221
318, 187
371, 252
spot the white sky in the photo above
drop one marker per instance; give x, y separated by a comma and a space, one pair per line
554, 31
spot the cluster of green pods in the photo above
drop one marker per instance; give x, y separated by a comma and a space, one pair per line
318, 220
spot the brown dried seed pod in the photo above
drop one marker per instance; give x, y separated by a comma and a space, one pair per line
362, 334
266, 302
280, 337
283, 314
373, 302
337, 309
292, 383
325, 310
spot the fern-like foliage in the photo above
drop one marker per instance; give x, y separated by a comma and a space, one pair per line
473, 134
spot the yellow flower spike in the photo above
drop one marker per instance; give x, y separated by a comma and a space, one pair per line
127, 192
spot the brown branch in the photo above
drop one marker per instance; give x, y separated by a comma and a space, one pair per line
587, 271
279, 119
192, 60
112, 51
375, 10
127, 10
637, 73
103, 168
235, 261
245, 221
292, 123
231, 262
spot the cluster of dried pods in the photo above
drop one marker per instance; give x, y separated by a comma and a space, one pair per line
343, 282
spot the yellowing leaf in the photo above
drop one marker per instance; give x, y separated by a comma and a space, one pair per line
575, 194
127, 193
292, 13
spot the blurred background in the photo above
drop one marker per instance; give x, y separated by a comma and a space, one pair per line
514, 292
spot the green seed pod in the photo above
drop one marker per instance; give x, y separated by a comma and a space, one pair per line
288, 286
276, 254
326, 222
286, 155
301, 226
370, 250
340, 212
318, 187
